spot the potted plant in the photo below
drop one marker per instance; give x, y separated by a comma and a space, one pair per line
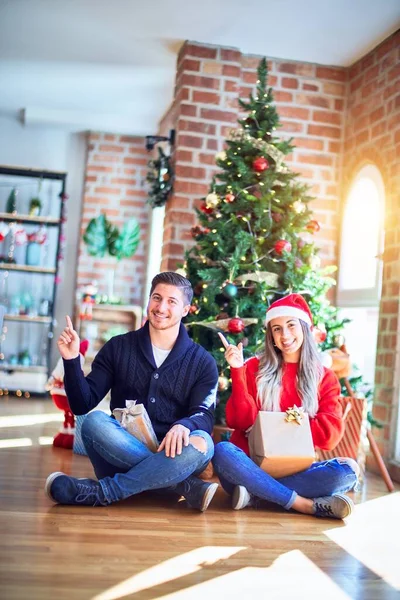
102, 237
35, 206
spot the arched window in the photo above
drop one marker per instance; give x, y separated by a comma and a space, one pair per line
360, 266
360, 273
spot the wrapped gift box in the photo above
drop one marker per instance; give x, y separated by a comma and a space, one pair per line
134, 418
282, 444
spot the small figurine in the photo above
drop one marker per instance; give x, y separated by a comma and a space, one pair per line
88, 299
55, 385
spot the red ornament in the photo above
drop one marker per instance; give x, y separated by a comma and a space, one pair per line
319, 334
235, 325
282, 246
277, 217
300, 243
205, 209
313, 226
229, 198
193, 308
260, 164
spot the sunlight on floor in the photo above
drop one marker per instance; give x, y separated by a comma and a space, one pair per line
24, 420
372, 537
290, 576
16, 443
177, 567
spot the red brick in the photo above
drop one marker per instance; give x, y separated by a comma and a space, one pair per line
249, 77
200, 51
190, 187
190, 65
290, 82
123, 181
200, 81
334, 147
362, 137
230, 86
231, 55
133, 160
283, 96
294, 112
107, 190
377, 114
212, 144
333, 73
324, 131
184, 218
190, 141
111, 148
183, 156
305, 69
323, 116
339, 104
311, 100
335, 89
190, 172
291, 126
310, 87
316, 159
218, 115
309, 143
90, 178
188, 110
197, 127
206, 159
99, 169
206, 97
250, 62
109, 137
371, 73
231, 71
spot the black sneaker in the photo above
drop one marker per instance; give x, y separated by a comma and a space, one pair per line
198, 493
62, 489
337, 506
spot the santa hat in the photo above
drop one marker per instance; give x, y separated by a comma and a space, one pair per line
84, 345
293, 305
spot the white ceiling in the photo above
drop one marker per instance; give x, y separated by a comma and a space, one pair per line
110, 64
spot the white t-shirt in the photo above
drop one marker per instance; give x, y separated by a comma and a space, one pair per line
159, 355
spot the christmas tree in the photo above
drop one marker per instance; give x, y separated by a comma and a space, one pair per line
254, 241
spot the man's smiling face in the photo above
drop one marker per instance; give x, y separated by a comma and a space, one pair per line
166, 307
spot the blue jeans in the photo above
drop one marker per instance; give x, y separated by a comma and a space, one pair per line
234, 467
124, 466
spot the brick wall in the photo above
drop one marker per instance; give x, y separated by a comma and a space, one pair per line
114, 183
373, 136
310, 101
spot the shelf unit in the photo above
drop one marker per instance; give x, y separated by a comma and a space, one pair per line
28, 291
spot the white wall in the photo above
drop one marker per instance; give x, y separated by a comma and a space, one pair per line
55, 150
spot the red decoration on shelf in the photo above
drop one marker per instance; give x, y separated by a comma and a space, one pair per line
229, 198
260, 164
313, 226
236, 325
282, 246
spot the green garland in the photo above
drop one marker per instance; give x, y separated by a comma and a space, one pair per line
161, 178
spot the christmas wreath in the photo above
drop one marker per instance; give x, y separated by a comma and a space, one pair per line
160, 177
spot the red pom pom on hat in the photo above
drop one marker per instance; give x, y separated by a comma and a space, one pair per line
83, 347
293, 305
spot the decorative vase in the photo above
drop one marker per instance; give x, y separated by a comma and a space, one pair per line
33, 254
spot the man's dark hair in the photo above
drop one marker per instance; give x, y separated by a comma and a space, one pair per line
172, 278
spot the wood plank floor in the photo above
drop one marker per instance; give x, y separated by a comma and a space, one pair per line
149, 547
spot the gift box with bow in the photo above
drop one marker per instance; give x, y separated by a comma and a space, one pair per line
281, 443
135, 419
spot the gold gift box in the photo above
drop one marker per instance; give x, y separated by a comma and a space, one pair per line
281, 443
135, 419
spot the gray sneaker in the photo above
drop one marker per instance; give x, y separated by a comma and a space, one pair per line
241, 498
198, 493
337, 506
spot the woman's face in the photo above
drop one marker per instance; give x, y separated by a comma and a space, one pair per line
288, 337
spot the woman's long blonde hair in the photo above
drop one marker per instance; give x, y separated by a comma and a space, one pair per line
309, 374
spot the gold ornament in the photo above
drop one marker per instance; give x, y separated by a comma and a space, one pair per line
223, 383
299, 207
259, 276
221, 156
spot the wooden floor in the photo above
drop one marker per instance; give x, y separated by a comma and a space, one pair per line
150, 547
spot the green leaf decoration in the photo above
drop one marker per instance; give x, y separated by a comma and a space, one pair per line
128, 240
95, 236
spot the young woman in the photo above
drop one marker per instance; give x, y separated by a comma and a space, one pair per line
288, 372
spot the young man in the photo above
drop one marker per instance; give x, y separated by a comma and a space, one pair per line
175, 379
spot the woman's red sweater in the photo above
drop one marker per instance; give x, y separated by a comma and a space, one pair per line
243, 405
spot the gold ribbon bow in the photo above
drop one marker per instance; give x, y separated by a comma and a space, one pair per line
295, 413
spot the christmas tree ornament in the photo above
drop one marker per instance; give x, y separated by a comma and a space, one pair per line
221, 156
212, 200
271, 279
229, 198
301, 243
230, 290
277, 217
313, 226
236, 325
260, 164
314, 262
319, 333
282, 246
299, 207
223, 383
339, 340
298, 263
205, 209
193, 309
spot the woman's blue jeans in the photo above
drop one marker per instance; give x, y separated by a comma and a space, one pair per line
124, 466
234, 467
